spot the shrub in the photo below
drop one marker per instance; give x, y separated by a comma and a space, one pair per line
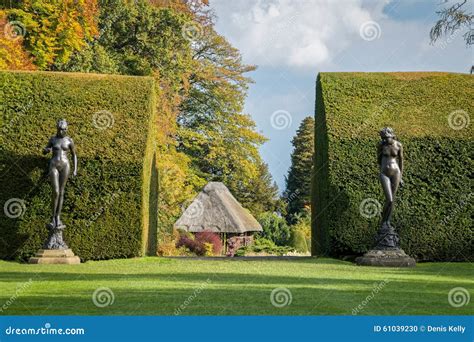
263, 246
433, 211
298, 241
106, 208
211, 238
301, 231
203, 243
167, 245
191, 244
274, 228
209, 249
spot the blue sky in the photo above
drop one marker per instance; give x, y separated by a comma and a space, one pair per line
292, 40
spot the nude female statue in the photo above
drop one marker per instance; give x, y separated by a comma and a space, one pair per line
387, 251
59, 169
390, 158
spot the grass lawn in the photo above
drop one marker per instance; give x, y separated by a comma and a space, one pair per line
160, 286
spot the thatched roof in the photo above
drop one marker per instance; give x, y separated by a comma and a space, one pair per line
217, 210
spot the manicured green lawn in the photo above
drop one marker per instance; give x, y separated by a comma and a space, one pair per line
158, 286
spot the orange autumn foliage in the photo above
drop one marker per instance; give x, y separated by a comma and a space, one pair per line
55, 29
12, 54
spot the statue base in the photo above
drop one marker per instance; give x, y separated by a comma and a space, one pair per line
386, 258
55, 237
55, 256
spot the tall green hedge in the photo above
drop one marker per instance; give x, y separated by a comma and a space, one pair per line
430, 113
107, 206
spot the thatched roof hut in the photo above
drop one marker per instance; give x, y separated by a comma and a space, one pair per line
215, 209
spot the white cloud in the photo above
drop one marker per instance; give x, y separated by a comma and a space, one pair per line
292, 33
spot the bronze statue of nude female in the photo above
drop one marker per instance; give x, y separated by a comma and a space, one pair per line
390, 158
387, 251
59, 170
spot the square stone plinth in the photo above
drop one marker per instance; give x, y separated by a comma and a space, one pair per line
55, 256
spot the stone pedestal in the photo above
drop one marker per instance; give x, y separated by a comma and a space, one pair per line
55, 256
386, 258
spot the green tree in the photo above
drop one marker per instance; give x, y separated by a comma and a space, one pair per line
136, 38
274, 228
298, 181
261, 193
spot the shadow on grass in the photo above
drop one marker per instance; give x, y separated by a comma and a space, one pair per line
246, 300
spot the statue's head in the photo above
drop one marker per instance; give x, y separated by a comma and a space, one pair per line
387, 134
62, 127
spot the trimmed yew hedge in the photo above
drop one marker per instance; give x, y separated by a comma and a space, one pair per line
106, 208
434, 208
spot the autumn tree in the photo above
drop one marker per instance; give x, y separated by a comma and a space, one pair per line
13, 56
55, 29
298, 181
221, 140
201, 85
